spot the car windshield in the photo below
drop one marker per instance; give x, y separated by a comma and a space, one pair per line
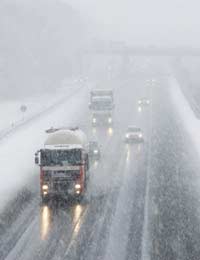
134, 129
60, 157
101, 104
144, 100
93, 145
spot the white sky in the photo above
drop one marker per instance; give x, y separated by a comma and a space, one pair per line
151, 21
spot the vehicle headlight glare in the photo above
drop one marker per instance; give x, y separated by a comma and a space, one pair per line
45, 187
94, 120
109, 120
77, 186
96, 151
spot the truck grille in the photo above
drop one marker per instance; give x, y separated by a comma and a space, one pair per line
61, 186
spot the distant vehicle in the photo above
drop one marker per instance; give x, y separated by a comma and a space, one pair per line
134, 135
64, 164
94, 150
144, 102
101, 106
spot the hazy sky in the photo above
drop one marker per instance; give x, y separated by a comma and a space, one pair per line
146, 21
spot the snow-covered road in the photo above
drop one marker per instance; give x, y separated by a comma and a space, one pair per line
120, 213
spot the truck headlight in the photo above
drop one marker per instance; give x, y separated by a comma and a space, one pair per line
109, 120
45, 187
94, 120
77, 186
95, 151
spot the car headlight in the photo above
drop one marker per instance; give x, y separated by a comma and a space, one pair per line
77, 186
127, 135
94, 120
95, 151
45, 187
109, 120
140, 135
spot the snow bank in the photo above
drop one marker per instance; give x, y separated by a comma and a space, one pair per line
187, 116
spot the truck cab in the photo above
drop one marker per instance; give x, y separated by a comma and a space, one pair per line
101, 106
64, 164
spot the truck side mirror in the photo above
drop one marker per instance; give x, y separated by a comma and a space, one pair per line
37, 161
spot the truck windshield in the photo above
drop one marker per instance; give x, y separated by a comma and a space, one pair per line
101, 104
60, 157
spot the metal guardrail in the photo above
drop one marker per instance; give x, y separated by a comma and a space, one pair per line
9, 130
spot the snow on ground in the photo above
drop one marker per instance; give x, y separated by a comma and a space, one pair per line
12, 116
17, 150
191, 123
119, 231
188, 119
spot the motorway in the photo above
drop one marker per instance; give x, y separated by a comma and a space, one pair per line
142, 200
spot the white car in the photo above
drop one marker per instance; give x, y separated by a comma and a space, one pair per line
134, 135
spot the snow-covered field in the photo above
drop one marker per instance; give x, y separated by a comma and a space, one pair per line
17, 150
10, 110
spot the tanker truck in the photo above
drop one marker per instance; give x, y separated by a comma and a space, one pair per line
63, 163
